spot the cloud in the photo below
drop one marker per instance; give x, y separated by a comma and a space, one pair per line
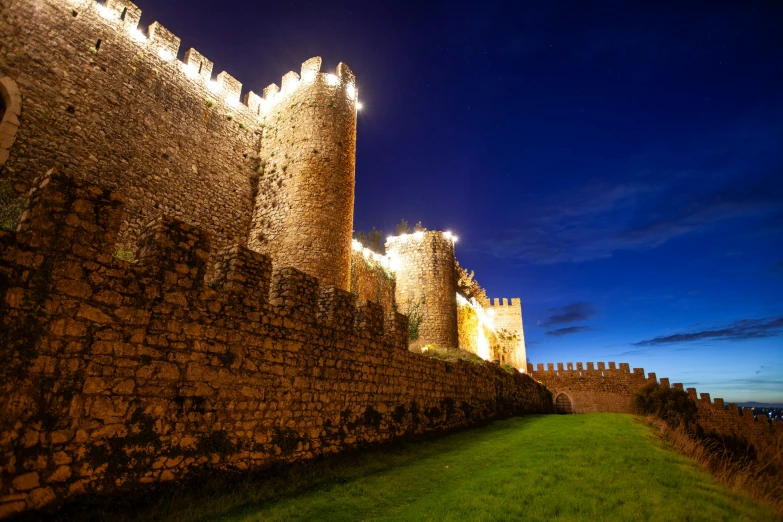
568, 314
570, 330
597, 220
737, 331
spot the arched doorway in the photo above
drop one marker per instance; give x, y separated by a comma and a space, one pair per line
563, 404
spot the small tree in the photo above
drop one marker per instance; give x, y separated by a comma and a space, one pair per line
671, 405
372, 240
403, 228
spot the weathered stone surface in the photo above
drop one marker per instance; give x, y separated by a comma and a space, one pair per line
120, 113
289, 373
424, 262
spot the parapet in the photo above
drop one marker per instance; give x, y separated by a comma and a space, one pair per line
172, 263
591, 367
164, 45
516, 303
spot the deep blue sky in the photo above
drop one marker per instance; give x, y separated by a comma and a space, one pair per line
617, 166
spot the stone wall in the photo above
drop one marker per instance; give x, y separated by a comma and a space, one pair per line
508, 317
308, 158
424, 264
103, 100
474, 332
371, 281
610, 388
115, 374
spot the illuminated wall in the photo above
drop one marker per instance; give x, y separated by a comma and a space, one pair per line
303, 215
508, 322
476, 330
424, 264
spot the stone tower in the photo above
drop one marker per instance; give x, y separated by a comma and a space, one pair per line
303, 215
508, 317
424, 264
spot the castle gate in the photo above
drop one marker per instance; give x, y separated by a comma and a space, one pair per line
563, 404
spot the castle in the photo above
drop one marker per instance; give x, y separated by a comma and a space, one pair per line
179, 286
275, 172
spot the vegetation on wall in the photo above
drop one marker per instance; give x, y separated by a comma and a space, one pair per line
374, 240
669, 404
468, 287
11, 206
403, 228
415, 312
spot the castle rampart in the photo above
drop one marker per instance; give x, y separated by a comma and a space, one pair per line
610, 387
115, 374
112, 103
424, 264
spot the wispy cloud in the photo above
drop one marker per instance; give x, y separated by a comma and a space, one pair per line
570, 330
568, 314
596, 220
737, 331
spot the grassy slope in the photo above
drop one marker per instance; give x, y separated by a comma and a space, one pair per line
548, 467
588, 467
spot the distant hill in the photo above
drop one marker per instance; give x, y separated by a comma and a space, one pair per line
760, 405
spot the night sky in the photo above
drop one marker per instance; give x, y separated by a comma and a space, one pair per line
619, 168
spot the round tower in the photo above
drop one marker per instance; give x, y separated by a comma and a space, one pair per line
426, 287
303, 215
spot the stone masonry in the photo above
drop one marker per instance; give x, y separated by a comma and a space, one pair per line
116, 374
308, 156
106, 102
610, 387
424, 264
508, 317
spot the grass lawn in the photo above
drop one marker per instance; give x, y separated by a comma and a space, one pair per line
544, 467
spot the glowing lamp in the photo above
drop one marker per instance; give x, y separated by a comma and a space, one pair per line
106, 12
359, 106
351, 90
213, 86
165, 54
308, 76
137, 35
232, 102
331, 79
190, 71
418, 235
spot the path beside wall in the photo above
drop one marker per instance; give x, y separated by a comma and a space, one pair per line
611, 387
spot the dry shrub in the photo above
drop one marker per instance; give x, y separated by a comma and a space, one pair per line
761, 478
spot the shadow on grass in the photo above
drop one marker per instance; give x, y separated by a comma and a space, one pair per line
209, 493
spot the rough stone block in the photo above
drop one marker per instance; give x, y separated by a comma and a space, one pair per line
243, 273
396, 331
337, 308
369, 320
176, 250
295, 294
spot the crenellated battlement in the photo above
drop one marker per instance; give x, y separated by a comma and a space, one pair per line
173, 261
125, 17
609, 387
515, 303
192, 346
589, 367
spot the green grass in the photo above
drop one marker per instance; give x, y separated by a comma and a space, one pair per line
545, 467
